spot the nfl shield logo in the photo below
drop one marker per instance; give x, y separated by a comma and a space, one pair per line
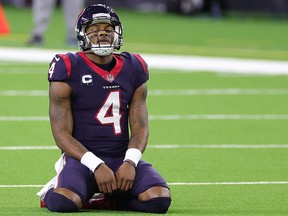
110, 78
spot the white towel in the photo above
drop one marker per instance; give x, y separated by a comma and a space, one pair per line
60, 163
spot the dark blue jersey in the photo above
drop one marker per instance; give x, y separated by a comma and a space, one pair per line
100, 99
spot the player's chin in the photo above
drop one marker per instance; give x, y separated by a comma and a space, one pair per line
105, 43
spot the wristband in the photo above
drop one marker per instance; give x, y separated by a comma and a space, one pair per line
134, 155
91, 161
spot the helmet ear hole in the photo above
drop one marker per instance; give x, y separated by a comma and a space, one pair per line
98, 13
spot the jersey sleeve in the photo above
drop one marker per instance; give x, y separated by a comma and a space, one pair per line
60, 68
141, 68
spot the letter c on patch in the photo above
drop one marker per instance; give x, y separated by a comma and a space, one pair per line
87, 79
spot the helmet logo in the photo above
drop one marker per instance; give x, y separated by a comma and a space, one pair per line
100, 16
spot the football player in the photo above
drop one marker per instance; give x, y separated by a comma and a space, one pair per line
96, 97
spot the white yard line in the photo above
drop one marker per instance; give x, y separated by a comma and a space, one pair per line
217, 146
168, 92
179, 184
24, 118
228, 183
166, 146
169, 62
171, 146
216, 64
21, 186
173, 117
219, 117
228, 91
16, 148
12, 93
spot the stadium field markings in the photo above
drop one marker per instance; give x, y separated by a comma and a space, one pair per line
169, 92
228, 183
167, 146
219, 117
170, 62
174, 117
179, 184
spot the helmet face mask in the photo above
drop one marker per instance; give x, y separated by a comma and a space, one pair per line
93, 15
100, 37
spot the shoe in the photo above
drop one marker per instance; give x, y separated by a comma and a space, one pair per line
102, 202
98, 201
42, 204
35, 40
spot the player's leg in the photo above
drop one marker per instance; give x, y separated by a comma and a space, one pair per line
71, 8
57, 202
76, 185
150, 192
42, 12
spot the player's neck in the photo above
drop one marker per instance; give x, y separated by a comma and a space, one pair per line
99, 59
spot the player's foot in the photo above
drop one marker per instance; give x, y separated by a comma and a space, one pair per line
35, 40
42, 204
100, 201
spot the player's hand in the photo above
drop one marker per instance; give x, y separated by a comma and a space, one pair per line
105, 179
125, 176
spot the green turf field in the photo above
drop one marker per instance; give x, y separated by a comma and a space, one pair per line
222, 153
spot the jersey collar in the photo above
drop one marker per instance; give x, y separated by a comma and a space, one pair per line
109, 76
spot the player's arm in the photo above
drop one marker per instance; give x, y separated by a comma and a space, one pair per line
138, 119
61, 120
62, 126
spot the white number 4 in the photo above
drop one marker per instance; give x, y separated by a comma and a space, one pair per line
111, 104
51, 69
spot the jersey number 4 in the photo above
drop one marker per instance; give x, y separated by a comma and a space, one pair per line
109, 113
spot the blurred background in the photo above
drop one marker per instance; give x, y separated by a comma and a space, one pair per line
189, 7
226, 28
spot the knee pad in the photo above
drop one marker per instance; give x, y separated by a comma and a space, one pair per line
159, 205
56, 202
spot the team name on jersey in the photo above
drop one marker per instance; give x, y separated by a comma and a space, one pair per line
111, 87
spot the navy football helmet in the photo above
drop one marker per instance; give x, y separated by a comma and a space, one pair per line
93, 14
